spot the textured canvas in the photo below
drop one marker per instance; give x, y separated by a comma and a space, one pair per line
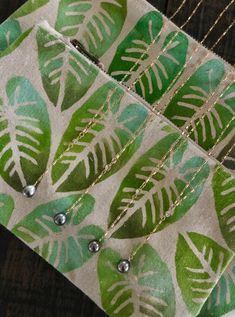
119, 168
192, 87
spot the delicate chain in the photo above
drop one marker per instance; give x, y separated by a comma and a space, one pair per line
159, 104
116, 158
179, 200
93, 120
174, 147
178, 10
197, 48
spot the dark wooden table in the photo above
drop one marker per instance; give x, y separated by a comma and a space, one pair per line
28, 285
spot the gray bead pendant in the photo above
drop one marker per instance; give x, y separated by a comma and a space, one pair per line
60, 219
29, 191
124, 266
94, 246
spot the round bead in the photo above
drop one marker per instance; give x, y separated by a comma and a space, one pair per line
60, 219
124, 266
29, 191
94, 246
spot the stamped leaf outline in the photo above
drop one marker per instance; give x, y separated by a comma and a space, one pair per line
200, 262
147, 289
24, 134
95, 23
65, 247
115, 124
150, 72
66, 75
140, 217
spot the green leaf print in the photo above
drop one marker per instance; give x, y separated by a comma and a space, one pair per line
6, 208
141, 214
95, 23
146, 290
192, 101
224, 192
227, 154
65, 247
200, 262
24, 134
9, 31
29, 7
66, 74
222, 298
114, 125
150, 72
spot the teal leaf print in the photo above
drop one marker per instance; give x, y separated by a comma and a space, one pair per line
223, 185
6, 208
146, 290
222, 298
158, 68
9, 31
112, 128
65, 247
24, 134
191, 101
141, 215
200, 262
66, 74
96, 24
29, 7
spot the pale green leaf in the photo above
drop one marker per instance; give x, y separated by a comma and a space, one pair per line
115, 124
147, 289
66, 74
141, 212
200, 262
65, 247
24, 134
95, 23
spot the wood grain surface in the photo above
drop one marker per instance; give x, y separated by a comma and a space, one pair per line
29, 287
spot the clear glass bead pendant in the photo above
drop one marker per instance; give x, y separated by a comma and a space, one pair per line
29, 191
60, 219
124, 266
94, 246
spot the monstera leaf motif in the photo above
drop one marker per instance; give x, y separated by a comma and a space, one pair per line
200, 262
113, 127
95, 23
146, 290
9, 32
224, 192
6, 208
24, 134
192, 101
64, 247
29, 7
150, 71
66, 75
141, 215
222, 298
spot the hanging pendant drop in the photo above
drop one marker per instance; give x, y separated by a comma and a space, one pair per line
94, 246
124, 266
29, 191
60, 219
